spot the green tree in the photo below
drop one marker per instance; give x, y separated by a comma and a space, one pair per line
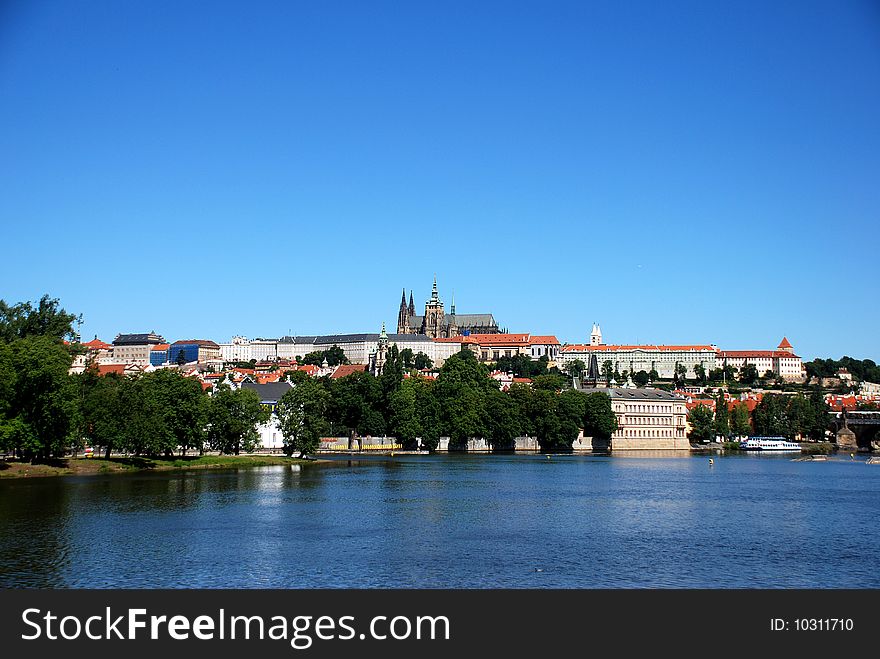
576, 368
104, 411
700, 373
181, 357
335, 356
407, 358
600, 421
702, 424
504, 421
40, 404
404, 418
607, 371
722, 417
24, 320
748, 374
233, 417
653, 375
549, 382
641, 378
422, 361
301, 416
739, 421
353, 405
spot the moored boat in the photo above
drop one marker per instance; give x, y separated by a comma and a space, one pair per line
769, 444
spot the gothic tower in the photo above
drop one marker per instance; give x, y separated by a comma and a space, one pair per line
403, 315
433, 324
412, 306
452, 328
596, 335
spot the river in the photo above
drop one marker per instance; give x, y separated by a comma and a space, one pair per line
522, 521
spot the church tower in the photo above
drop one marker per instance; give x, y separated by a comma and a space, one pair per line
452, 327
596, 335
403, 315
433, 323
381, 354
412, 306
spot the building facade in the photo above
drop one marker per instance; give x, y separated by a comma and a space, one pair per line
782, 362
135, 348
193, 350
635, 358
648, 419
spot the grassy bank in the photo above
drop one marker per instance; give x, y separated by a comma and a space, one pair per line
97, 466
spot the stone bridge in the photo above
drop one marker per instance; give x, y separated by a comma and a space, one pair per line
857, 429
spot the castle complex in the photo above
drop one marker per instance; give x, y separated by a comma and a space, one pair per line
436, 324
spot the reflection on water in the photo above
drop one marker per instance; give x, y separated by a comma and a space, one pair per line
456, 521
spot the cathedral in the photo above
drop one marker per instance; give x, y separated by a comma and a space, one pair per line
436, 324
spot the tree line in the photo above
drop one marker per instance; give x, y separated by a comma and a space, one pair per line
462, 403
776, 415
45, 412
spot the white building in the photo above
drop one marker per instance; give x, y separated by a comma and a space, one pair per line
648, 419
782, 362
270, 393
635, 358
237, 350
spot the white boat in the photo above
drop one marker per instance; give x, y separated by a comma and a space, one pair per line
769, 444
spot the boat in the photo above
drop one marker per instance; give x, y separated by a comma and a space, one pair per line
769, 444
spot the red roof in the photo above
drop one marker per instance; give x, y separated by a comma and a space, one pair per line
648, 348
106, 369
347, 369
97, 344
160, 346
757, 354
544, 340
784, 343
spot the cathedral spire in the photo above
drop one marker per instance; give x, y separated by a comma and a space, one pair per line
412, 306
452, 306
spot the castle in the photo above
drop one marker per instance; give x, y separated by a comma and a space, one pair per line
436, 324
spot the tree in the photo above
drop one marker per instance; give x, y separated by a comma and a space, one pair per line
39, 406
549, 382
335, 356
181, 357
653, 375
700, 373
404, 419
407, 358
679, 374
301, 416
422, 361
576, 368
353, 405
702, 424
748, 374
103, 410
23, 320
739, 422
722, 417
504, 421
461, 390
607, 371
641, 378
233, 417
183, 407
600, 421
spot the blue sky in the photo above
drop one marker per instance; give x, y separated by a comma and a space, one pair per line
681, 172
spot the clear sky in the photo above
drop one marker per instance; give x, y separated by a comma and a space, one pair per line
680, 172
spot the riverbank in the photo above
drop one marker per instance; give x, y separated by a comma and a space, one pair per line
117, 465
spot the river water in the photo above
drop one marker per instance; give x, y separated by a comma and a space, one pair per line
454, 522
